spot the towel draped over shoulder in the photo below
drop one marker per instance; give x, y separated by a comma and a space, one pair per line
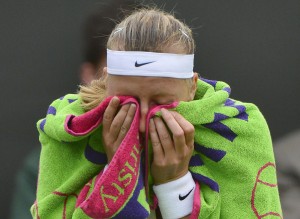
232, 163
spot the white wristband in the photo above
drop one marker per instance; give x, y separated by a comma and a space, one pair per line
175, 198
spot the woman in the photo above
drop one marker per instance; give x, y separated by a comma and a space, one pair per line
150, 137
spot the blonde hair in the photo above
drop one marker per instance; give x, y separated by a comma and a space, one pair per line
149, 30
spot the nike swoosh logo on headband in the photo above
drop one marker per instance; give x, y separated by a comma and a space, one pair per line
141, 64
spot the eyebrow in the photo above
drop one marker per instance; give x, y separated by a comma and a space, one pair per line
166, 98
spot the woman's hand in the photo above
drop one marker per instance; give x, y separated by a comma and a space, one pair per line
116, 123
173, 144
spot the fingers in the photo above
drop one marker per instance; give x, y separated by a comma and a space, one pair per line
110, 112
164, 136
156, 145
127, 120
176, 130
116, 123
187, 127
171, 154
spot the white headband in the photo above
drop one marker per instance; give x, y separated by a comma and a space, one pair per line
138, 63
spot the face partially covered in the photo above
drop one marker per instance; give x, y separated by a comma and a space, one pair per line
151, 91
150, 56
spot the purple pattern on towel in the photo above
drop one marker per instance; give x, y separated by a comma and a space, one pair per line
220, 128
213, 154
51, 110
211, 82
61, 98
133, 207
93, 156
229, 102
227, 89
71, 100
211, 183
219, 117
242, 116
42, 125
242, 109
196, 161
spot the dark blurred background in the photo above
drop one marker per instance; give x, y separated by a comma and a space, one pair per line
252, 45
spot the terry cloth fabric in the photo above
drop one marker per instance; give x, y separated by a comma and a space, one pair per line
232, 164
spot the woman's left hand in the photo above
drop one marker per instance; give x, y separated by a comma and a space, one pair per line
172, 138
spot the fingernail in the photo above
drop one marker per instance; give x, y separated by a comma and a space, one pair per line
115, 100
114, 103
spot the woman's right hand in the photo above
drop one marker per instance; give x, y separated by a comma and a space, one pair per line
116, 123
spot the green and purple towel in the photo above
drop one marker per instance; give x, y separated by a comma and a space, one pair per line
232, 164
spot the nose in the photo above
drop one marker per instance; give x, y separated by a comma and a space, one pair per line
144, 108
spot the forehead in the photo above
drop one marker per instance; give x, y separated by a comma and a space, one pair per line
129, 85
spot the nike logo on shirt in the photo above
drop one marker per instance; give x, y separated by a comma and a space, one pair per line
141, 64
181, 198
